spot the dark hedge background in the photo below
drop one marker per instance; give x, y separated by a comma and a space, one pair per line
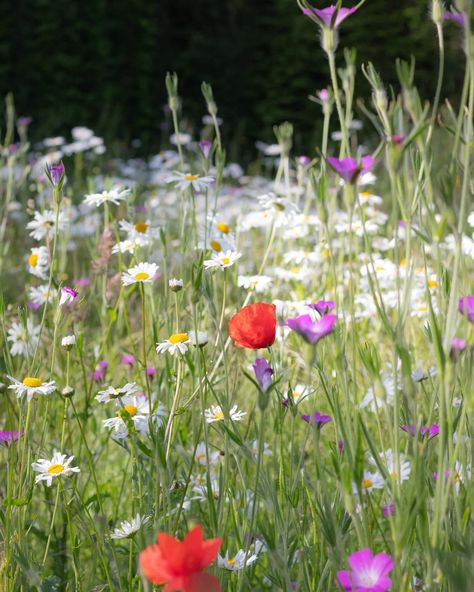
102, 63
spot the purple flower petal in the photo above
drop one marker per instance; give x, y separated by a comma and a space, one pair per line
263, 373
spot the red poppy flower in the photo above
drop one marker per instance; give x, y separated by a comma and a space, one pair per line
254, 326
180, 564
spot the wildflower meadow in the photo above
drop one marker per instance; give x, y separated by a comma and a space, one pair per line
245, 380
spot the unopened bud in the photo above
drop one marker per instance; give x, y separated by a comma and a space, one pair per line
68, 391
175, 285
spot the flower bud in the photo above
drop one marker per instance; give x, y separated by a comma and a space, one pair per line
68, 342
68, 391
175, 285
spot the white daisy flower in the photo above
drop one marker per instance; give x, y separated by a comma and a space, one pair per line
41, 294
127, 529
370, 481
112, 394
215, 413
137, 409
201, 457
143, 272
186, 180
31, 386
114, 195
56, 467
238, 561
68, 341
388, 459
258, 283
140, 233
44, 224
222, 260
127, 246
81, 133
373, 401
219, 237
38, 262
175, 284
175, 344
23, 339
200, 339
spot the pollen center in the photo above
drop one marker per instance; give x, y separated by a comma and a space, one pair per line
33, 260
216, 245
223, 227
32, 382
142, 276
367, 483
191, 177
225, 260
141, 227
55, 469
231, 562
432, 284
131, 409
219, 415
178, 338
393, 475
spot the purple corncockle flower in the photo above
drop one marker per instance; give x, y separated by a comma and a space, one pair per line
455, 17
340, 446
323, 95
323, 306
388, 509
56, 171
429, 431
83, 282
368, 572
150, 372
330, 17
68, 295
34, 305
205, 146
457, 346
303, 160
128, 360
312, 331
317, 419
349, 168
435, 474
263, 373
397, 139
23, 121
466, 307
100, 371
7, 438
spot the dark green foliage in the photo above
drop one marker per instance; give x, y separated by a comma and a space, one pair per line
102, 63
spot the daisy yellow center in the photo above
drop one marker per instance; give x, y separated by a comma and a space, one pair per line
422, 308
33, 260
55, 469
295, 270
223, 227
403, 262
225, 260
367, 483
296, 394
200, 457
141, 227
231, 562
216, 246
365, 194
191, 177
32, 382
393, 475
325, 253
432, 284
178, 338
142, 276
131, 409
218, 415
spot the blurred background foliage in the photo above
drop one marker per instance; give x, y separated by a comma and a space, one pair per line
102, 63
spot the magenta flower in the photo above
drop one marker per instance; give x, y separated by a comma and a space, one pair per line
150, 372
349, 168
24, 121
263, 373
457, 346
56, 172
317, 419
455, 17
128, 360
323, 306
7, 438
205, 147
330, 17
429, 431
68, 295
466, 307
368, 572
388, 509
303, 160
312, 331
83, 282
397, 139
